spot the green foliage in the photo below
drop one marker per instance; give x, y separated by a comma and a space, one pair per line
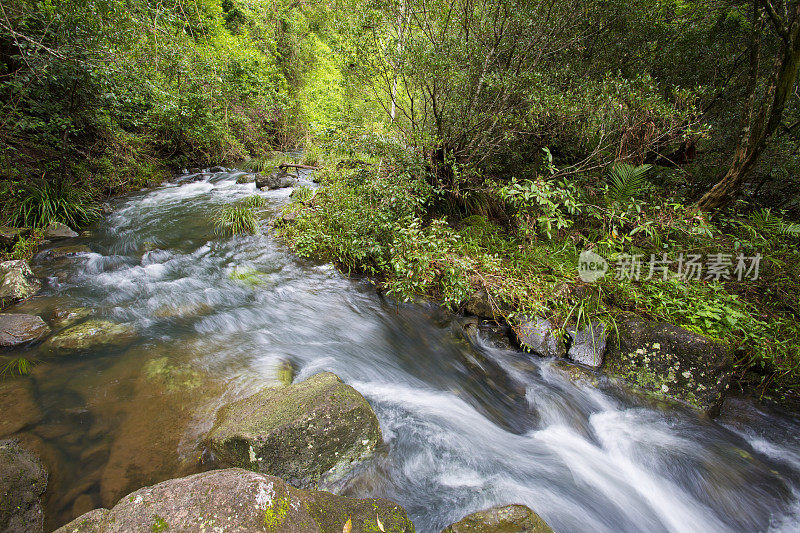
43, 203
626, 182
542, 207
235, 218
254, 201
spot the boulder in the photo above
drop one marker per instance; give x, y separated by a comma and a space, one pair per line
671, 361
61, 252
507, 519
57, 230
588, 345
237, 500
539, 336
17, 405
65, 317
19, 329
217, 169
307, 432
90, 335
245, 178
276, 180
23, 480
9, 236
17, 282
482, 305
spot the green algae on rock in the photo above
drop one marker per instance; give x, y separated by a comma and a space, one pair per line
239, 500
307, 432
507, 519
90, 335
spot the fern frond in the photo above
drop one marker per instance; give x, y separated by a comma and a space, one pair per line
625, 182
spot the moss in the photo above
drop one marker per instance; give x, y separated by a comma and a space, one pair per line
275, 513
159, 525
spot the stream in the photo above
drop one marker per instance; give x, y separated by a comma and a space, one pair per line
467, 424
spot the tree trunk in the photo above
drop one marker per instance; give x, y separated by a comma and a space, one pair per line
759, 129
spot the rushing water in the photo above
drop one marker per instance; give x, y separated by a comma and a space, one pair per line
467, 425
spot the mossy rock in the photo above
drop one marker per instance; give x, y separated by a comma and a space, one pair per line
305, 433
23, 481
9, 236
507, 519
671, 361
17, 282
238, 500
90, 335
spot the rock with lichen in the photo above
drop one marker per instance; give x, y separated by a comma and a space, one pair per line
505, 519
306, 433
238, 500
17, 282
671, 361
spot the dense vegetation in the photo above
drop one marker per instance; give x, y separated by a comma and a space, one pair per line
466, 144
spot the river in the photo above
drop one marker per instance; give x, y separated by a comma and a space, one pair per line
225, 312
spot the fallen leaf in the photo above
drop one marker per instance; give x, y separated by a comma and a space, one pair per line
380, 524
348, 526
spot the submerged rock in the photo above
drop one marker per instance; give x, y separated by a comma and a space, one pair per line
160, 430
17, 282
65, 317
57, 230
18, 409
23, 481
239, 500
61, 252
671, 361
588, 345
539, 336
19, 329
276, 180
91, 335
507, 519
189, 310
305, 433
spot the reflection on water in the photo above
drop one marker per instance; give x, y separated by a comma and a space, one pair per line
468, 425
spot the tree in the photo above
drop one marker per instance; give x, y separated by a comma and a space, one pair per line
760, 125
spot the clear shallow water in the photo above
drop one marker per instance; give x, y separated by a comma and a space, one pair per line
467, 426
